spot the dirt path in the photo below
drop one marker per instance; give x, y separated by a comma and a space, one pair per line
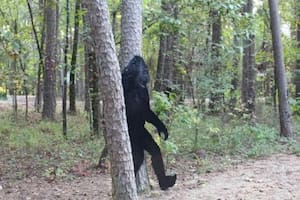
271, 178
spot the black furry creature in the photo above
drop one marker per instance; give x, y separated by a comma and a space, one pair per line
134, 79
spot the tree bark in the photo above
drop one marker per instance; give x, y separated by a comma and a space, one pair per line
94, 92
235, 76
14, 78
216, 96
166, 72
74, 60
297, 73
50, 61
131, 31
40, 52
65, 71
248, 74
284, 111
131, 45
119, 148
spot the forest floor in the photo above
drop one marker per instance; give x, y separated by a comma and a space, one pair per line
274, 177
269, 178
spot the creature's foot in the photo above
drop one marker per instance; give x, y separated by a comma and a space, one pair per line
167, 181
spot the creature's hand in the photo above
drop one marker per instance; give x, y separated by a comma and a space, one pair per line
165, 131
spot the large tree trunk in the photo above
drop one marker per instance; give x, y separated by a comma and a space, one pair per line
50, 61
284, 111
92, 76
74, 59
248, 76
131, 45
119, 148
131, 31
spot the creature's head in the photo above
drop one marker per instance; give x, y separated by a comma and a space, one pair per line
136, 72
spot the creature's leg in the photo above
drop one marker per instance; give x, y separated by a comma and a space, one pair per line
157, 162
137, 154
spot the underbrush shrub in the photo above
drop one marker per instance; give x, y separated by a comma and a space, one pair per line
192, 131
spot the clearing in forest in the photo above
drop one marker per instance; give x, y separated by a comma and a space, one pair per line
267, 178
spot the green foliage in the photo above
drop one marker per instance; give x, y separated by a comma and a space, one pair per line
3, 93
191, 131
43, 144
211, 135
295, 105
161, 103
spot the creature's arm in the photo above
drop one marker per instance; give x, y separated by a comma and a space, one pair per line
153, 119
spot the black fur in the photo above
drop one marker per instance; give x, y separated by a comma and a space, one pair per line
134, 79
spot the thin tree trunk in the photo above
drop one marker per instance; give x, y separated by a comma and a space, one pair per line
94, 93
14, 71
25, 78
166, 72
73, 59
93, 81
119, 149
114, 21
159, 83
50, 61
57, 48
87, 53
248, 76
65, 71
284, 111
216, 96
297, 73
235, 79
87, 103
40, 65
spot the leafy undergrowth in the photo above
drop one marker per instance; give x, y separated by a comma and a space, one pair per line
199, 143
214, 142
38, 148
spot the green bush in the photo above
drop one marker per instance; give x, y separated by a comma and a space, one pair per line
3, 95
295, 105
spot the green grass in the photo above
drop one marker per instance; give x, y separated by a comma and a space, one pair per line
234, 138
40, 144
37, 147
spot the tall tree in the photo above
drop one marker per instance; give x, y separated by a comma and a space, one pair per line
131, 30
74, 59
65, 70
14, 72
92, 76
297, 74
50, 60
216, 37
119, 149
39, 44
284, 111
248, 75
167, 46
131, 44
